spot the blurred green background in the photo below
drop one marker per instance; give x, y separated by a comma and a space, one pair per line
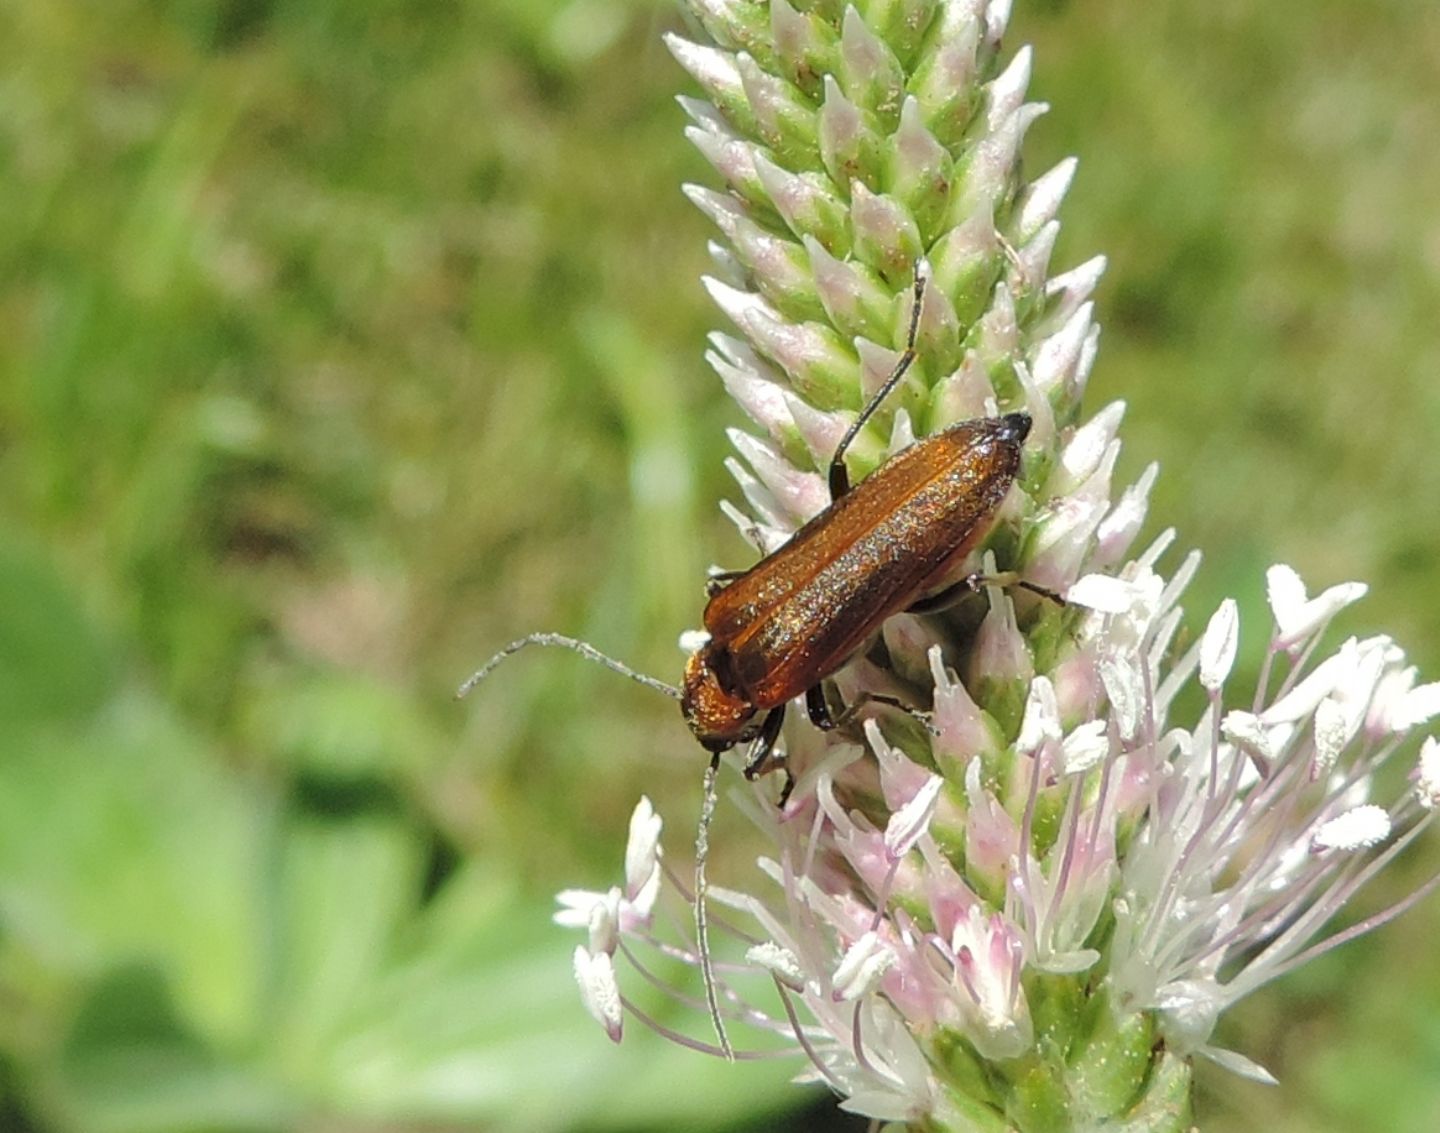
341, 341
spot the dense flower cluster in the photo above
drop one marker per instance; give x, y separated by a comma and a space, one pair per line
1029, 913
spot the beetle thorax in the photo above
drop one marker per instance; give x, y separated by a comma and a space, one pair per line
719, 717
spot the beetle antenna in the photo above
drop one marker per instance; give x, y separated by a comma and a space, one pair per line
702, 926
585, 649
839, 481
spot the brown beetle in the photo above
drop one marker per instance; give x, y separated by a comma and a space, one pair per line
779, 629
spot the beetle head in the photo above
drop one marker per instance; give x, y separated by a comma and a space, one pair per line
719, 717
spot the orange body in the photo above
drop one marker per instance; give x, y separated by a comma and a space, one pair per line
801, 613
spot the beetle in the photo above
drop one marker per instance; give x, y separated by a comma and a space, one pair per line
778, 630
888, 544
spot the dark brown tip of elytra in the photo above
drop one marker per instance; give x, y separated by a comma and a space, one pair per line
1015, 427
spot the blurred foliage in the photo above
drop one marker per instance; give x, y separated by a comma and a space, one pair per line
340, 342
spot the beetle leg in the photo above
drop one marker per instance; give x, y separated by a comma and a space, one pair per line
1011, 578
759, 757
971, 583
1043, 591
762, 757
818, 707
786, 789
839, 476
717, 580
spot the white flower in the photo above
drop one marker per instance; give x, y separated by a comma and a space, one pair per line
1357, 829
634, 907
1042, 717
1219, 645
642, 858
1085, 747
595, 973
783, 964
912, 820
989, 959
861, 968
1298, 617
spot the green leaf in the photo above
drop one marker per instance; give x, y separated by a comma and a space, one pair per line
55, 663
130, 1064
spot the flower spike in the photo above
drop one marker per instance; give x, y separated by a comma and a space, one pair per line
1014, 887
